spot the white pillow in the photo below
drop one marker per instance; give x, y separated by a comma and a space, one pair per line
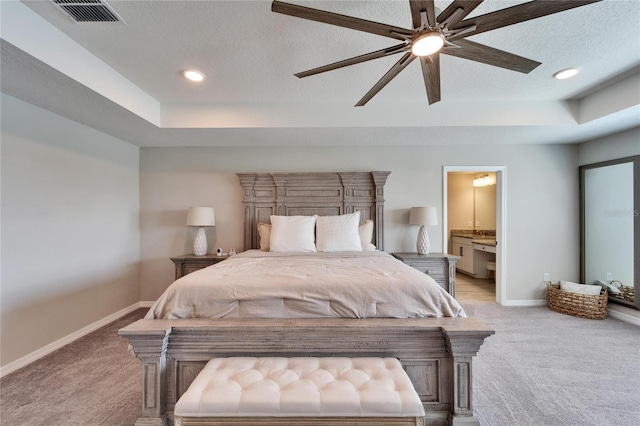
338, 233
292, 233
264, 232
366, 235
592, 290
605, 285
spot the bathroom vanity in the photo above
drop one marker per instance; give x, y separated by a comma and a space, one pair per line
475, 250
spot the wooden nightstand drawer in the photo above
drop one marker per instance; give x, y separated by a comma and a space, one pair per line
429, 268
189, 263
439, 266
187, 269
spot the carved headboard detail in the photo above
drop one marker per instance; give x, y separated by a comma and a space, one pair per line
305, 194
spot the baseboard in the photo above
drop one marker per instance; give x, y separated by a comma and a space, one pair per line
46, 350
146, 304
611, 312
623, 317
524, 303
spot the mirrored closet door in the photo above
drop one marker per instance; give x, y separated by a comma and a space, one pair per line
610, 227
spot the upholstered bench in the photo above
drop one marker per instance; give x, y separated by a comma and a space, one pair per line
300, 391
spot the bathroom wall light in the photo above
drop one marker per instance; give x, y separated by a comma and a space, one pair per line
483, 180
193, 75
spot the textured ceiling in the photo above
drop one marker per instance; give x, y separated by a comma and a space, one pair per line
249, 56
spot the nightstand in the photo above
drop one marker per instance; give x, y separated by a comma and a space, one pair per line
187, 263
439, 266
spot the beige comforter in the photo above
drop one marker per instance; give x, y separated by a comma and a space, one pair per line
283, 285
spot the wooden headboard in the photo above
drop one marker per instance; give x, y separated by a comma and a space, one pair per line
306, 194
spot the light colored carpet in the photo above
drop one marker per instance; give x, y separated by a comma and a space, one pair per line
546, 368
540, 368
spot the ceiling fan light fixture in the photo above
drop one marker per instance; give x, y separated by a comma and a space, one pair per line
193, 75
565, 73
427, 44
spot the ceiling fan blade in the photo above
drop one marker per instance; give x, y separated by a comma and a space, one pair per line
355, 60
426, 6
341, 20
431, 74
515, 14
488, 55
447, 16
406, 59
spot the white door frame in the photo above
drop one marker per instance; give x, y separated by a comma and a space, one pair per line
501, 220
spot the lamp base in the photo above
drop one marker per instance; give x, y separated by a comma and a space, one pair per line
200, 242
422, 245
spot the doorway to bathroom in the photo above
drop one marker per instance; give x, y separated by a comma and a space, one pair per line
474, 228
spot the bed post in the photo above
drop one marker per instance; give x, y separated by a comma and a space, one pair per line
379, 179
151, 349
463, 346
248, 180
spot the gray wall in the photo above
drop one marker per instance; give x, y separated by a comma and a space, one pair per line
620, 145
70, 227
89, 221
542, 202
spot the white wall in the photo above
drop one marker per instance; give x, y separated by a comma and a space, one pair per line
542, 207
70, 227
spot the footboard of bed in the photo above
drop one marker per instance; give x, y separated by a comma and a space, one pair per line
436, 353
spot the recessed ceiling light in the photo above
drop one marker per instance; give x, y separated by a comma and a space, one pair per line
193, 75
566, 73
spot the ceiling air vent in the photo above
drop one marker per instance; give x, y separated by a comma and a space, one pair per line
88, 10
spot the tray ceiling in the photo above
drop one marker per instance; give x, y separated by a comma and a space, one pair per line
124, 78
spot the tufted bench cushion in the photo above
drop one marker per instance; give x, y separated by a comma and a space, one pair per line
300, 387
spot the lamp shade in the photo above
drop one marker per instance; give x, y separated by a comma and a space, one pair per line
423, 216
201, 216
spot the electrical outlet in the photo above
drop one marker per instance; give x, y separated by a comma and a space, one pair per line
609, 276
477, 224
545, 277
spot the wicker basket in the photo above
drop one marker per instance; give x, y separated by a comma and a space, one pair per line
626, 293
578, 305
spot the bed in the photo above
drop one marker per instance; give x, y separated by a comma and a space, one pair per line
431, 336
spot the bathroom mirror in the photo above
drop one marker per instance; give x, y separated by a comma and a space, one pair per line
484, 205
610, 227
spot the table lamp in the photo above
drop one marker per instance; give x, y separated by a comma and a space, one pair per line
423, 216
200, 217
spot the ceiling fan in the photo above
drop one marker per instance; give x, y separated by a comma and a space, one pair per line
434, 35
